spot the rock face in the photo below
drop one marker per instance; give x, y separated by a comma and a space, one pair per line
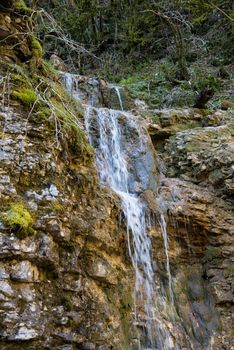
65, 277
95, 91
69, 282
200, 225
66, 280
52, 283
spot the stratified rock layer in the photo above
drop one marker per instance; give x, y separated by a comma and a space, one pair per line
66, 280
68, 283
200, 222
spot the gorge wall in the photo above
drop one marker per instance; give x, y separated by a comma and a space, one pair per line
66, 278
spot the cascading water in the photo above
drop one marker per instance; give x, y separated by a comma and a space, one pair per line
71, 84
112, 158
119, 97
113, 170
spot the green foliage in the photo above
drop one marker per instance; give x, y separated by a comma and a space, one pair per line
20, 5
155, 82
199, 9
121, 31
212, 253
203, 80
224, 73
25, 95
19, 219
128, 81
66, 111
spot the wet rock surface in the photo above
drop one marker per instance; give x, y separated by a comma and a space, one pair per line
197, 198
96, 92
200, 228
142, 162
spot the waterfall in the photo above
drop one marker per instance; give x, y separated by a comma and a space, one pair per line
71, 83
118, 94
112, 165
106, 129
119, 97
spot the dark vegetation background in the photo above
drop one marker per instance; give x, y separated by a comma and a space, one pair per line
163, 51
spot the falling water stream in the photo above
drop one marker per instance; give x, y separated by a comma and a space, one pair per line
117, 90
71, 84
113, 169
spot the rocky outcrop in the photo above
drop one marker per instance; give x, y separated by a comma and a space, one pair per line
198, 148
54, 281
65, 278
199, 151
95, 91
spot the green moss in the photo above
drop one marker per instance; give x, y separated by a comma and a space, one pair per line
19, 219
212, 253
18, 78
48, 70
67, 303
25, 95
42, 114
20, 5
36, 47
179, 126
229, 271
192, 147
57, 206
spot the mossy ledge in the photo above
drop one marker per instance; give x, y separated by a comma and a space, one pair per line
40, 90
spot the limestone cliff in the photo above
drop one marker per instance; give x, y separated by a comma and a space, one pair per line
66, 278
197, 192
64, 269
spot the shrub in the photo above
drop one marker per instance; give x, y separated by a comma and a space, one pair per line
19, 219
203, 80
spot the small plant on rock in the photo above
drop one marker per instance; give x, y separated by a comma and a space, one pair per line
19, 219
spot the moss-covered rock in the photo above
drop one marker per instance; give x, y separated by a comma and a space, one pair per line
27, 96
19, 219
36, 48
